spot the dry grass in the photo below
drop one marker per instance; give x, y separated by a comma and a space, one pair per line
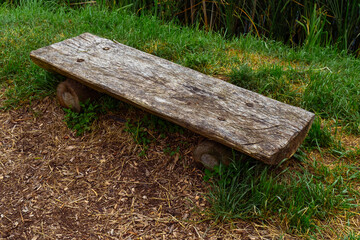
256, 60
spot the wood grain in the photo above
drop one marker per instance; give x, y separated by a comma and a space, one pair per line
258, 126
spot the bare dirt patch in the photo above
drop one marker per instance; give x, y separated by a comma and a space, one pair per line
54, 185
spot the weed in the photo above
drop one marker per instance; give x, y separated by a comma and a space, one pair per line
148, 129
197, 62
140, 135
162, 126
109, 103
170, 151
81, 122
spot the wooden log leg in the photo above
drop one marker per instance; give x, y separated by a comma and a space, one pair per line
71, 93
210, 154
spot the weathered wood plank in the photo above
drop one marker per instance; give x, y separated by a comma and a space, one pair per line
261, 127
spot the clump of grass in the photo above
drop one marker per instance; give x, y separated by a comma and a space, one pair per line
328, 94
251, 191
313, 26
318, 136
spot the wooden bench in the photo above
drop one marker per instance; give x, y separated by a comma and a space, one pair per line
260, 127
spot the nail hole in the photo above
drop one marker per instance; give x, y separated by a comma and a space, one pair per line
80, 60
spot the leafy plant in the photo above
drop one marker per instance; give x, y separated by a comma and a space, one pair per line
109, 103
81, 122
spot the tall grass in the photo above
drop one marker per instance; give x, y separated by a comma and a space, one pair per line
294, 22
301, 22
314, 28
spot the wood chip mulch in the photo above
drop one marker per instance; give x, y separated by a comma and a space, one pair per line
54, 185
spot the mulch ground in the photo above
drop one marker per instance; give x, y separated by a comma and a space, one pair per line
54, 185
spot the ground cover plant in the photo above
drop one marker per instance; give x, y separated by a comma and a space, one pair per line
312, 195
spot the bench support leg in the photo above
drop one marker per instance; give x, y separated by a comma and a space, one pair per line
210, 154
70, 93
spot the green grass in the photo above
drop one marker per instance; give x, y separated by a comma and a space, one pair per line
271, 81
330, 94
299, 200
332, 87
251, 191
319, 136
